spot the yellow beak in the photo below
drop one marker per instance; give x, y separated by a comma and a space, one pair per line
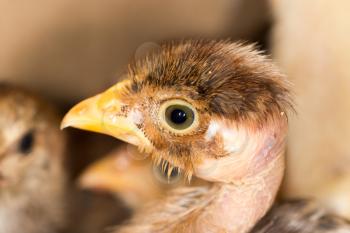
105, 113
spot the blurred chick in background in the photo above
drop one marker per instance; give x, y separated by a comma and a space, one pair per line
36, 195
32, 179
131, 176
130, 179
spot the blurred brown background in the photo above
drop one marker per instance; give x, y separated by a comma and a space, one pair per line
71, 49
67, 50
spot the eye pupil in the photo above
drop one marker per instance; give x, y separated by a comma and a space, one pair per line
26, 143
178, 116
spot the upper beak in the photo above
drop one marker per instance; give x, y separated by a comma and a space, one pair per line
106, 113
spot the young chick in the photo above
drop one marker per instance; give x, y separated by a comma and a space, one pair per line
118, 173
31, 170
216, 110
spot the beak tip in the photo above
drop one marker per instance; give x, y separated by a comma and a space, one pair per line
65, 123
63, 126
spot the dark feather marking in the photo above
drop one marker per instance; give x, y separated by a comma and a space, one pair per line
235, 80
300, 216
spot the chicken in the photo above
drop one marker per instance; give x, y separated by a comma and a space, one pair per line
216, 110
117, 173
32, 179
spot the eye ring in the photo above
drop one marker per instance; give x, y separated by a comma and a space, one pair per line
178, 116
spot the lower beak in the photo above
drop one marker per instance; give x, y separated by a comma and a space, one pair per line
105, 113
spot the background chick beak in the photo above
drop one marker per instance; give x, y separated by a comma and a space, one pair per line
103, 113
115, 174
101, 176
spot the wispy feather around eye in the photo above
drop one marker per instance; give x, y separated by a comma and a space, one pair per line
237, 81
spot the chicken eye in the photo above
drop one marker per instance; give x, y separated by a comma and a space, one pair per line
165, 176
178, 116
26, 143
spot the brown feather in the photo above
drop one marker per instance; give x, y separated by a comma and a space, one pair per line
301, 216
221, 79
235, 81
